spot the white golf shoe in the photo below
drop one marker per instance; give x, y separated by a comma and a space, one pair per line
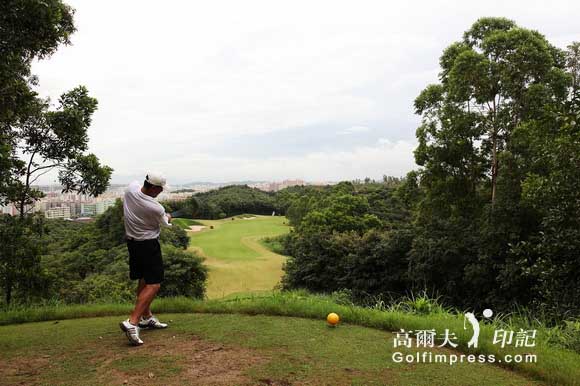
151, 322
132, 332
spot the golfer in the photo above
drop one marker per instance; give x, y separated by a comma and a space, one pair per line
144, 217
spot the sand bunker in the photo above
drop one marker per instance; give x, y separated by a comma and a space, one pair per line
249, 218
196, 228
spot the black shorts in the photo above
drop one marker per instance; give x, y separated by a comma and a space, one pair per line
145, 261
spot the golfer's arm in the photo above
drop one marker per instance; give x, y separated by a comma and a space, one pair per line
164, 220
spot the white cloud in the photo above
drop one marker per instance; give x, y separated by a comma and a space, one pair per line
385, 157
354, 130
187, 76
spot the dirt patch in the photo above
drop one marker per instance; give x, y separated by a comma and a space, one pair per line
23, 371
163, 360
196, 228
199, 362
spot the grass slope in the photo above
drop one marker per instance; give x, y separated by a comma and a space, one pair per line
554, 366
221, 349
237, 261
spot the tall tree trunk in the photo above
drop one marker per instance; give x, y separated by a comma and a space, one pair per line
24, 196
494, 166
494, 160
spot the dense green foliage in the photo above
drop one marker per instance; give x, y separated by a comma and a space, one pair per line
497, 220
225, 202
20, 256
292, 202
87, 262
351, 236
491, 217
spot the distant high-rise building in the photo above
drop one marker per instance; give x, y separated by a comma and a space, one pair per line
88, 209
58, 212
92, 209
102, 206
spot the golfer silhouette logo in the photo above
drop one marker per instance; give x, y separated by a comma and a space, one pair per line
475, 325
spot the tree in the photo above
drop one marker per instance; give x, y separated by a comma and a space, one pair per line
491, 82
551, 256
85, 262
111, 226
29, 30
35, 139
19, 254
230, 201
476, 148
58, 140
341, 213
573, 66
348, 236
185, 274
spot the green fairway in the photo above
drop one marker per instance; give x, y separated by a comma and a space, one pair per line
205, 349
236, 260
184, 223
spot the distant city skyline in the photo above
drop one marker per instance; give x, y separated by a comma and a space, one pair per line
228, 91
56, 204
173, 185
55, 186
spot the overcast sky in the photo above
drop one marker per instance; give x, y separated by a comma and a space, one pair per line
267, 90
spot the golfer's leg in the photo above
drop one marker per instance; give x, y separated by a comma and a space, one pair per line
140, 286
147, 312
144, 300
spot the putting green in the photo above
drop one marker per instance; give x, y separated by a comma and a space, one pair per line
237, 261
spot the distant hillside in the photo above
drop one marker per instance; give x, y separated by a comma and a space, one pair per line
234, 200
225, 202
222, 183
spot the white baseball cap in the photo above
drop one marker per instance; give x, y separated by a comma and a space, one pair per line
157, 179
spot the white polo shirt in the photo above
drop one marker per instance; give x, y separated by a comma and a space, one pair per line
144, 216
